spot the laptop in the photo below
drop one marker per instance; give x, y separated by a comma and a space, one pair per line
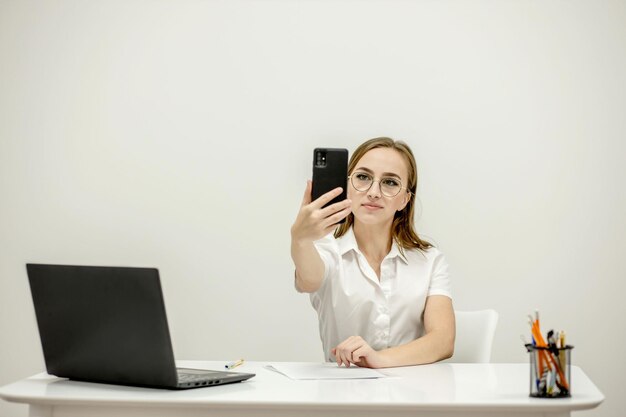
108, 325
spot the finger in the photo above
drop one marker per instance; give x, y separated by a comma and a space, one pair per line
351, 345
346, 359
325, 198
338, 356
343, 358
359, 354
333, 208
334, 352
350, 351
306, 198
343, 352
333, 220
347, 350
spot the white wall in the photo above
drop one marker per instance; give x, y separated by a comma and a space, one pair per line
179, 134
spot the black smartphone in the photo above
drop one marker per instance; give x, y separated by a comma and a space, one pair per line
330, 170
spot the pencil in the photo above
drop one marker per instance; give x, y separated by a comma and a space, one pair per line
234, 364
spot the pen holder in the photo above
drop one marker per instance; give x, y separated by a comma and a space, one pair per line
550, 371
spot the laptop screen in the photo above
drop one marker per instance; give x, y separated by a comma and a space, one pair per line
105, 324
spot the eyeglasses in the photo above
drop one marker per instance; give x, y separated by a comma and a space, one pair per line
389, 186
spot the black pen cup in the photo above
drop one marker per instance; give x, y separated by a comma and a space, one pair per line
550, 374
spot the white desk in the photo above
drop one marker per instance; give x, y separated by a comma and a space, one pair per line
442, 390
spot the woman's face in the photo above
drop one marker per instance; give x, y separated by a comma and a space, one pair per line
373, 206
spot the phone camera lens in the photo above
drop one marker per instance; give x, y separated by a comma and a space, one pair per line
320, 159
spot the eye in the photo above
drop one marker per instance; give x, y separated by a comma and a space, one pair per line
362, 176
390, 182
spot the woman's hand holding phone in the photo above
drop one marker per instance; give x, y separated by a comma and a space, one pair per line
315, 221
312, 223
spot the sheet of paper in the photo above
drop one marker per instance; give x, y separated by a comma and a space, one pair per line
296, 370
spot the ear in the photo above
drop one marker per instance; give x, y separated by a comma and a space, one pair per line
407, 198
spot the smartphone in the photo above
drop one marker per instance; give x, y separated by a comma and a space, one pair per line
330, 170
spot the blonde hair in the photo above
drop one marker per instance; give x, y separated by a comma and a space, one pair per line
403, 226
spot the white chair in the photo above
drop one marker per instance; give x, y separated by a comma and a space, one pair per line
474, 336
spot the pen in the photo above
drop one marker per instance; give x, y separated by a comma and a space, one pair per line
234, 364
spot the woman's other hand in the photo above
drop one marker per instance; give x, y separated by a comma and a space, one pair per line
355, 350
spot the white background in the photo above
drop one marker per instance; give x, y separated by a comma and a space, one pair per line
179, 134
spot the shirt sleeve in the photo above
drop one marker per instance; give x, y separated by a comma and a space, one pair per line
440, 278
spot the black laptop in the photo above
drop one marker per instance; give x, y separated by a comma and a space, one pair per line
108, 324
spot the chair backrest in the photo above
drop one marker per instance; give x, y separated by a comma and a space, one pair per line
474, 336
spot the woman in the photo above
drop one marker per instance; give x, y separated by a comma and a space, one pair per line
382, 294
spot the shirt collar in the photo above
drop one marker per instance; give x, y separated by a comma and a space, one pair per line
347, 242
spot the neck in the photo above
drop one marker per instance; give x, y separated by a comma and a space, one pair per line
374, 241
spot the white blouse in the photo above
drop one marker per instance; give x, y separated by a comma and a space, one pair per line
352, 301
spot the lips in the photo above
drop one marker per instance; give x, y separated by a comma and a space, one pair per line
371, 206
